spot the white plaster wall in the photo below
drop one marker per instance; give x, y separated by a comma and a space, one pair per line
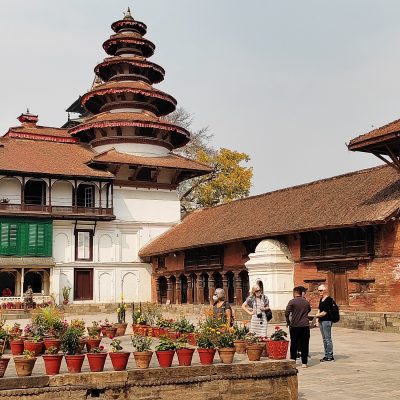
10, 188
61, 194
146, 205
139, 149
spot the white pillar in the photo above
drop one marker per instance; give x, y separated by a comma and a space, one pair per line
272, 265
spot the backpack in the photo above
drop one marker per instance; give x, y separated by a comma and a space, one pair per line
334, 312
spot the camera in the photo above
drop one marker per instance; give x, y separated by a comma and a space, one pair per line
259, 315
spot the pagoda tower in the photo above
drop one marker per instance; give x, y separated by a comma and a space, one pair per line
127, 128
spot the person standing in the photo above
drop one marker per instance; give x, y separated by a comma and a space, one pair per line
221, 307
324, 322
299, 326
257, 305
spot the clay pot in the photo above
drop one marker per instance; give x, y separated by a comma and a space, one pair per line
206, 356
52, 343
82, 344
142, 358
36, 347
110, 332
17, 347
254, 351
277, 349
96, 361
103, 329
91, 342
165, 357
3, 365
121, 328
74, 362
119, 360
185, 356
24, 366
142, 330
173, 335
240, 346
226, 354
52, 363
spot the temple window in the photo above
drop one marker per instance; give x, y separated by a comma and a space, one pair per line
35, 192
84, 196
84, 245
204, 256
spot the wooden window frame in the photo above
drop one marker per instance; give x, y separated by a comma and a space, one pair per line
90, 244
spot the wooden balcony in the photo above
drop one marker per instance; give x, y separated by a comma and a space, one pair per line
57, 212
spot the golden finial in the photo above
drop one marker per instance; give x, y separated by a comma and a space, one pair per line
128, 14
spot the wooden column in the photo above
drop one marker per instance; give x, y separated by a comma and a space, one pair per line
76, 196
23, 194
200, 289
169, 289
178, 291
158, 291
100, 190
190, 289
211, 287
225, 285
238, 291
50, 195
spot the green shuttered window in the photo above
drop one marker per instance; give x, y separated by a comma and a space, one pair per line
26, 238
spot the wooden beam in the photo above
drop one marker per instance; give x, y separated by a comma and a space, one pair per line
102, 132
176, 176
393, 156
135, 174
385, 161
155, 175
119, 131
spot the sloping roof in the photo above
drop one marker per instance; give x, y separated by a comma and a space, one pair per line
169, 161
359, 198
50, 158
37, 130
384, 133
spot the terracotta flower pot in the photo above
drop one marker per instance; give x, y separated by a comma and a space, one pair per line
254, 351
142, 330
24, 366
240, 346
277, 349
142, 358
192, 339
121, 328
17, 347
119, 360
226, 354
74, 362
52, 343
36, 347
173, 335
103, 329
91, 342
96, 361
206, 356
165, 357
162, 332
185, 356
52, 363
3, 365
110, 332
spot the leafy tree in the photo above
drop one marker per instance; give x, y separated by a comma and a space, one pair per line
228, 180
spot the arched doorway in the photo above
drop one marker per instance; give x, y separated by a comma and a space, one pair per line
35, 280
244, 277
184, 289
8, 281
230, 277
173, 289
162, 289
35, 192
217, 280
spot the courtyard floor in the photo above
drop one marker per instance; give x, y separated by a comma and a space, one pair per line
367, 364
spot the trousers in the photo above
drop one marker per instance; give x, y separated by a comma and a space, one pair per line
325, 327
300, 338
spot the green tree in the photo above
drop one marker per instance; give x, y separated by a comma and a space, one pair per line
229, 179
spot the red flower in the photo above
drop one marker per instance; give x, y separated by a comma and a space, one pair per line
101, 347
277, 328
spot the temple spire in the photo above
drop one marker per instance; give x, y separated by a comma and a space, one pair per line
128, 14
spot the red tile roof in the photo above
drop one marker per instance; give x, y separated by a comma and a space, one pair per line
49, 158
364, 197
37, 132
170, 161
384, 133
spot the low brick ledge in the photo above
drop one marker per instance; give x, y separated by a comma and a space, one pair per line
113, 380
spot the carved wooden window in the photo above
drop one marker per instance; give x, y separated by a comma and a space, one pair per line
204, 257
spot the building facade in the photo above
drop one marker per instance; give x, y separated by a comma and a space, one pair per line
77, 203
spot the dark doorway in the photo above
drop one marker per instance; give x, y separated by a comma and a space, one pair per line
7, 281
83, 284
162, 289
193, 288
231, 287
34, 279
173, 287
35, 192
245, 284
84, 196
184, 289
206, 289
218, 280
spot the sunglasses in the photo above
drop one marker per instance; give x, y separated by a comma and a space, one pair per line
320, 290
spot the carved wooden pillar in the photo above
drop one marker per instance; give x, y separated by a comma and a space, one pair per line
200, 289
225, 285
170, 288
211, 287
158, 290
190, 299
178, 291
238, 289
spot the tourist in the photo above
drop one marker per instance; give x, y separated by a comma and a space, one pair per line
257, 305
28, 298
299, 327
221, 306
6, 292
324, 322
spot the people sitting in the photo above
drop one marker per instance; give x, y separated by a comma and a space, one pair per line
6, 292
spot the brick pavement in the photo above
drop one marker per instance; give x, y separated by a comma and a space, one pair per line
366, 367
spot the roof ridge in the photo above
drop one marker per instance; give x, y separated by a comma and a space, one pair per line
332, 178
359, 137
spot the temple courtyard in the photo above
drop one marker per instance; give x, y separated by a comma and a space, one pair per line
366, 365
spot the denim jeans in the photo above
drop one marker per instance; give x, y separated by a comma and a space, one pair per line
325, 328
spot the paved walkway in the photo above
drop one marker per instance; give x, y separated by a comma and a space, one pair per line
367, 365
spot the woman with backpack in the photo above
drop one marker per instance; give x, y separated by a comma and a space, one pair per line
324, 321
221, 307
257, 305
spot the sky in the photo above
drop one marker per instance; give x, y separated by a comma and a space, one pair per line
288, 82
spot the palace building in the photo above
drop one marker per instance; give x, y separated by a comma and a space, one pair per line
77, 203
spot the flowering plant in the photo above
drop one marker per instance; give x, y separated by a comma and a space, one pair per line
139, 318
51, 350
28, 354
251, 338
96, 324
166, 344
116, 346
79, 325
279, 334
165, 323
182, 325
141, 343
225, 337
240, 331
95, 350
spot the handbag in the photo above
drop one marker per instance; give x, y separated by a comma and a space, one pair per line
268, 315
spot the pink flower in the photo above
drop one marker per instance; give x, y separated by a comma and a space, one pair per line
277, 328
